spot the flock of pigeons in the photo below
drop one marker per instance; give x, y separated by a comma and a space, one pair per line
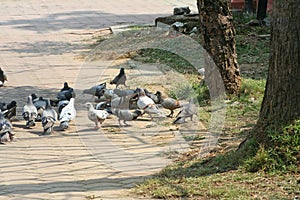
126, 104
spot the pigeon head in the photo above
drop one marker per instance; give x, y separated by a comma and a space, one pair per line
141, 92
29, 100
33, 95
89, 105
66, 86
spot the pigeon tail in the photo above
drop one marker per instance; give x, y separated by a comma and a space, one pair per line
64, 125
48, 123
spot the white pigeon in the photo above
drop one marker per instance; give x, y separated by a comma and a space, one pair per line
6, 134
146, 104
49, 117
29, 113
127, 115
67, 114
96, 116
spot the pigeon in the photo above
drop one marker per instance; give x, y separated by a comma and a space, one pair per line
6, 134
66, 93
127, 115
122, 93
61, 104
125, 102
3, 77
188, 110
146, 104
29, 113
96, 90
10, 110
96, 116
154, 97
106, 105
67, 114
40, 104
168, 103
120, 79
109, 94
181, 11
49, 117
201, 72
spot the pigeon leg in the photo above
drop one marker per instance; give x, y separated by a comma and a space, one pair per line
151, 117
126, 123
97, 126
120, 123
171, 114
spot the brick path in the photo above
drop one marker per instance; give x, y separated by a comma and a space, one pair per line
40, 43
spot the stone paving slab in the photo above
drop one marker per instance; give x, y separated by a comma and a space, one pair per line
40, 42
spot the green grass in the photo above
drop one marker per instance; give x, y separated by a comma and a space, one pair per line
252, 49
282, 153
165, 57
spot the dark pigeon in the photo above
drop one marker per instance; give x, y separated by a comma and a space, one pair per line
120, 79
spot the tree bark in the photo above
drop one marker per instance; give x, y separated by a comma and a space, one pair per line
281, 103
218, 39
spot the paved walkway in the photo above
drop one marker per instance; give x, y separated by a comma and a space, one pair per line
40, 47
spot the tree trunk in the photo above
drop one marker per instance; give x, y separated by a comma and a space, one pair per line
262, 9
249, 6
281, 103
218, 39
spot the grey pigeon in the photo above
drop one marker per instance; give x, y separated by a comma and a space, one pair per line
109, 94
122, 93
67, 114
127, 115
66, 93
3, 77
125, 102
96, 90
40, 104
10, 110
29, 112
49, 117
120, 79
6, 134
181, 10
96, 116
187, 111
